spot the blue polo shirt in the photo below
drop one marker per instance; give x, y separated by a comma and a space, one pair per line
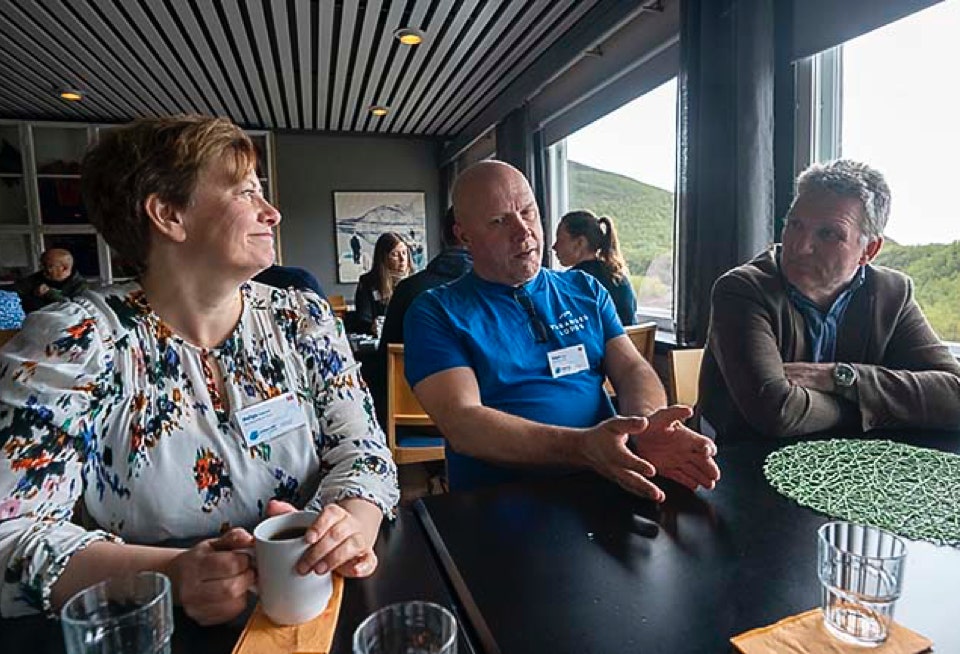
484, 326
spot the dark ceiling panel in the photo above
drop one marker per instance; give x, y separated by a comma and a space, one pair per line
37, 64
458, 34
444, 12
301, 13
155, 76
89, 31
324, 62
205, 52
547, 28
400, 62
508, 42
438, 56
238, 84
345, 55
371, 21
161, 54
516, 16
284, 39
385, 51
248, 62
35, 39
257, 22
273, 64
146, 79
182, 51
21, 93
464, 57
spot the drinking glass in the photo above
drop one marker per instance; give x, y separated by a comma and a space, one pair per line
407, 628
124, 615
861, 575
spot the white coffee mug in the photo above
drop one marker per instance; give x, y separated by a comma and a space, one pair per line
287, 596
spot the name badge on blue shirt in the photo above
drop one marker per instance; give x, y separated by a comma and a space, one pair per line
568, 361
261, 423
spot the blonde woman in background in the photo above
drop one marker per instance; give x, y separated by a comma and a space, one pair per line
588, 243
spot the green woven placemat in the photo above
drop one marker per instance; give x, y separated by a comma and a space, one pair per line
911, 491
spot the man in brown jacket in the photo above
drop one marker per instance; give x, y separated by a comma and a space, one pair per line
810, 336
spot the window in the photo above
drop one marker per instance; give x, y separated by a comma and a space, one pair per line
624, 166
896, 100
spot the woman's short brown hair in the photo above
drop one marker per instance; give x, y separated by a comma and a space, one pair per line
154, 155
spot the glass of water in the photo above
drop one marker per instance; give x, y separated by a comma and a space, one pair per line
861, 575
407, 628
124, 615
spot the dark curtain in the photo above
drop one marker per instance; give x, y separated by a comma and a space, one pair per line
515, 141
785, 100
726, 171
523, 148
539, 181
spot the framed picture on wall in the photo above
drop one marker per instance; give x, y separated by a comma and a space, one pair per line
360, 217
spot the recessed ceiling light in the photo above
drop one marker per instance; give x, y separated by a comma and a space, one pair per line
409, 36
71, 94
379, 110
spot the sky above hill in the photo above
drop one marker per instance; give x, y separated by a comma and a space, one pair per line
901, 102
901, 114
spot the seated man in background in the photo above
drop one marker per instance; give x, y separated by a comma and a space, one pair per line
451, 264
54, 282
510, 359
290, 277
810, 336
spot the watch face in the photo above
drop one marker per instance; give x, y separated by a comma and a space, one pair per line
844, 374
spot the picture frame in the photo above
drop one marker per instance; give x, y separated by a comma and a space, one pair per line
360, 217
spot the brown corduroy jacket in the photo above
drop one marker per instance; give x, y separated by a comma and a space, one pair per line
906, 376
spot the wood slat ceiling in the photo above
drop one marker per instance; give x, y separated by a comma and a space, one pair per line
273, 64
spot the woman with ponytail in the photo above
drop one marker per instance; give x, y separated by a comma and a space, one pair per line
590, 244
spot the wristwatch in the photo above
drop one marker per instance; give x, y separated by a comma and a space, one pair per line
844, 375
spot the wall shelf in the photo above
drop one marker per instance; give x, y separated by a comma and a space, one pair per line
41, 205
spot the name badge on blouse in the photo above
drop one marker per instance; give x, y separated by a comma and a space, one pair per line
261, 423
568, 361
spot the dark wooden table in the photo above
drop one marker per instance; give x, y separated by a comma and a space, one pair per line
560, 566
407, 571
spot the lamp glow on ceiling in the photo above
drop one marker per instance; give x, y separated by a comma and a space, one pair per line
409, 36
71, 94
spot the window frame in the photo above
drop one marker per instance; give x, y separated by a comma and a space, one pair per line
558, 194
819, 119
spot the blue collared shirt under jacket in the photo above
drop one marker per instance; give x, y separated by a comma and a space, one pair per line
822, 327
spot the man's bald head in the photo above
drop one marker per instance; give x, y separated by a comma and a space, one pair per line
57, 264
498, 221
484, 178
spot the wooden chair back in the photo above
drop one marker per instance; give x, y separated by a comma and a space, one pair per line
338, 304
685, 376
404, 410
6, 335
644, 337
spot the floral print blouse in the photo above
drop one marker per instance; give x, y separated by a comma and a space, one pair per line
100, 401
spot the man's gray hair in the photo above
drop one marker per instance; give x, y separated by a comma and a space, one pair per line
852, 179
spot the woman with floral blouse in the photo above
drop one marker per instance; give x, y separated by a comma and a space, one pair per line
187, 405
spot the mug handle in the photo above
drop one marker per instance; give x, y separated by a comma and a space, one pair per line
252, 553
